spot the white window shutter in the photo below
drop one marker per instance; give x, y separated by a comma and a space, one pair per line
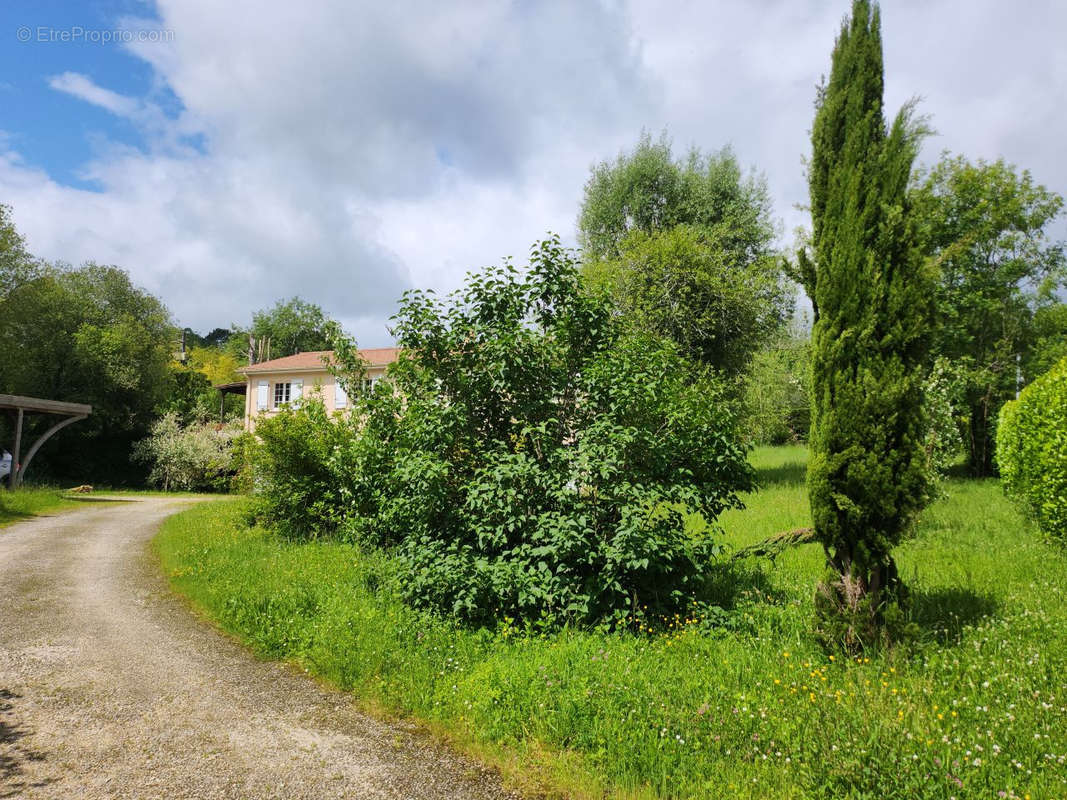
262, 395
340, 396
298, 392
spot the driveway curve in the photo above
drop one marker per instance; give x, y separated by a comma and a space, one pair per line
111, 688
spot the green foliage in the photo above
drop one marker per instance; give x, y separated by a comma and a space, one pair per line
298, 479
942, 395
985, 226
648, 191
687, 284
1048, 341
191, 397
1032, 450
754, 710
197, 457
291, 326
17, 266
88, 335
526, 458
868, 475
685, 248
777, 391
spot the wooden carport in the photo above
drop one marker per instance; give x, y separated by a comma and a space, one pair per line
18, 407
240, 387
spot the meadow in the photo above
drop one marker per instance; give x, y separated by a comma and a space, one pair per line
737, 701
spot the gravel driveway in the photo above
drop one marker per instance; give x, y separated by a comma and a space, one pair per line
110, 687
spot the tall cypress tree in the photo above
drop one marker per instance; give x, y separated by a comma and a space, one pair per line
867, 476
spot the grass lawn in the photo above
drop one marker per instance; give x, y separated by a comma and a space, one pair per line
26, 502
752, 708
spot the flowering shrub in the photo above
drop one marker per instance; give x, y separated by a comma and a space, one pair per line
526, 458
199, 457
1032, 450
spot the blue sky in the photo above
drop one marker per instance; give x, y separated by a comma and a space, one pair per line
52, 130
344, 151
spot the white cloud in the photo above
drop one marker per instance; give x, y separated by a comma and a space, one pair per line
346, 151
82, 87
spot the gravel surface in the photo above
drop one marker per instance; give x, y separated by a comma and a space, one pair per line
110, 687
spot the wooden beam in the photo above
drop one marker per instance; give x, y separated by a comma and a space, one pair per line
43, 406
21, 471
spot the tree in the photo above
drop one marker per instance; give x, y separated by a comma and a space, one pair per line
291, 326
870, 289
984, 225
88, 335
685, 249
17, 266
684, 283
1048, 341
647, 190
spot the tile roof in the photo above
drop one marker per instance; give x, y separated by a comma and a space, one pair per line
313, 360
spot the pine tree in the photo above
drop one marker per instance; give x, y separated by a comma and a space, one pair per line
867, 476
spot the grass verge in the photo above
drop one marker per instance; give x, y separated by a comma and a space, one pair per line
747, 707
26, 502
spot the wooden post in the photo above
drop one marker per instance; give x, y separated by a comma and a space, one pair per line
13, 479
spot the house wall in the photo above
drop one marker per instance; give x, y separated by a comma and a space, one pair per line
315, 383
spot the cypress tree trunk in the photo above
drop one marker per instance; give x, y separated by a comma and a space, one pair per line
867, 475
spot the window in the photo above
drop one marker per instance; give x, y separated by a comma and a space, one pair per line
368, 384
282, 392
340, 396
261, 395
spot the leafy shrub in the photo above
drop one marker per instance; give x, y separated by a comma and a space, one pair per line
942, 395
199, 457
294, 480
1032, 450
526, 458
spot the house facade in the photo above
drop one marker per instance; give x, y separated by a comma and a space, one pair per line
273, 385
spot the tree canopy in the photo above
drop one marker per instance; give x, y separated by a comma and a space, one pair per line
17, 266
985, 226
88, 335
648, 190
685, 248
289, 327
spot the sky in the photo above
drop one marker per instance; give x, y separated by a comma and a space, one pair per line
230, 154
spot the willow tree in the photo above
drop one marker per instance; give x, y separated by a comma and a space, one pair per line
867, 475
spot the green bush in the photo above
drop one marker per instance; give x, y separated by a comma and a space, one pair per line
198, 457
942, 396
777, 395
295, 482
1032, 450
526, 458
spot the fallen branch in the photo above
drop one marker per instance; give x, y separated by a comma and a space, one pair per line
774, 546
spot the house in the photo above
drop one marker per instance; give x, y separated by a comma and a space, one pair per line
273, 384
